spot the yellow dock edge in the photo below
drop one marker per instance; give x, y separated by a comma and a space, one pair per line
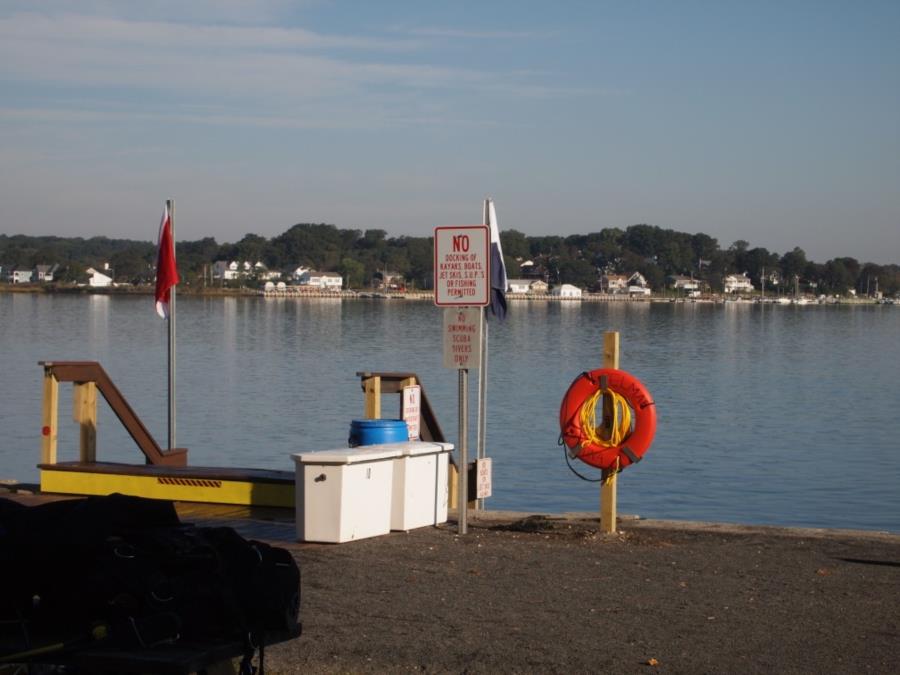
174, 488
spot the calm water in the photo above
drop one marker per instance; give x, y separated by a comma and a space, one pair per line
777, 415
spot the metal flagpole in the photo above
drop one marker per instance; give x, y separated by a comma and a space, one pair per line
482, 371
482, 396
170, 204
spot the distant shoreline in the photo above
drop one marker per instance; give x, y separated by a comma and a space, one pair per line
211, 291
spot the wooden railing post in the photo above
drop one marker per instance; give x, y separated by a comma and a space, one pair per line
82, 373
49, 418
372, 387
374, 384
608, 487
84, 412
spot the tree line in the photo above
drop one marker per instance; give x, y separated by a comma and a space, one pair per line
359, 255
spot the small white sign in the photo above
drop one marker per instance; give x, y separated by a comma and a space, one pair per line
483, 478
462, 272
412, 409
462, 337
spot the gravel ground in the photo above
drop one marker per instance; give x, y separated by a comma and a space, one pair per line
538, 594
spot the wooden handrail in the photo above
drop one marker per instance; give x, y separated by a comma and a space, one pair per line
81, 372
393, 383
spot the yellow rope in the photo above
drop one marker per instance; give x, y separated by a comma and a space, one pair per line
612, 474
620, 427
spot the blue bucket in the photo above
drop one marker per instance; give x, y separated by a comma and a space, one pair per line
372, 432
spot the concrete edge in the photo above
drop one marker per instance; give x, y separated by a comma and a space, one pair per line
635, 522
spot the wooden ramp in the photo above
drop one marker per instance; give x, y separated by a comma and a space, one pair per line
165, 475
214, 485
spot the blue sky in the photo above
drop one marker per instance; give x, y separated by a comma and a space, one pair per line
773, 122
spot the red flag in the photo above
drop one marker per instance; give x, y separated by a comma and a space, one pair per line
166, 271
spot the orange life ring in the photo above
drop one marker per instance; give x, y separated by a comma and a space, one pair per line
632, 449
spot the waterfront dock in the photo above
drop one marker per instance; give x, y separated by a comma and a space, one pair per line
549, 594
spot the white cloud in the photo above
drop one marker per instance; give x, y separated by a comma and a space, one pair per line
269, 67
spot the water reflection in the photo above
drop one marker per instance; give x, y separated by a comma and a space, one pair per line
747, 396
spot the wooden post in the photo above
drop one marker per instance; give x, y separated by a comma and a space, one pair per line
84, 412
373, 397
608, 484
49, 416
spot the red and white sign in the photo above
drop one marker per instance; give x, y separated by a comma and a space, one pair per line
462, 337
462, 272
412, 409
483, 470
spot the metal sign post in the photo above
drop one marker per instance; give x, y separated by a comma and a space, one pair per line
463, 483
462, 286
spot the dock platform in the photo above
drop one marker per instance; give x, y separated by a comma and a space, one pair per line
217, 485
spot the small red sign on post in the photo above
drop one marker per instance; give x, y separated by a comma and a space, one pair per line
483, 470
412, 409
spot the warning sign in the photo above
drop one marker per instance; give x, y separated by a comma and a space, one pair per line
483, 470
412, 409
461, 266
462, 337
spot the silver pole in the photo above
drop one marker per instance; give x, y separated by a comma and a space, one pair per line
171, 206
463, 491
482, 364
482, 396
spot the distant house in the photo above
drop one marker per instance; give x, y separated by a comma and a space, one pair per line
637, 285
516, 286
263, 273
44, 273
297, 272
566, 292
682, 283
522, 286
226, 270
329, 281
19, 276
614, 283
539, 286
97, 279
389, 280
737, 283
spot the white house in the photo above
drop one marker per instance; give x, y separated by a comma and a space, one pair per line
226, 269
17, 276
329, 281
735, 283
98, 279
637, 285
263, 273
297, 272
566, 292
518, 285
682, 283
522, 286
